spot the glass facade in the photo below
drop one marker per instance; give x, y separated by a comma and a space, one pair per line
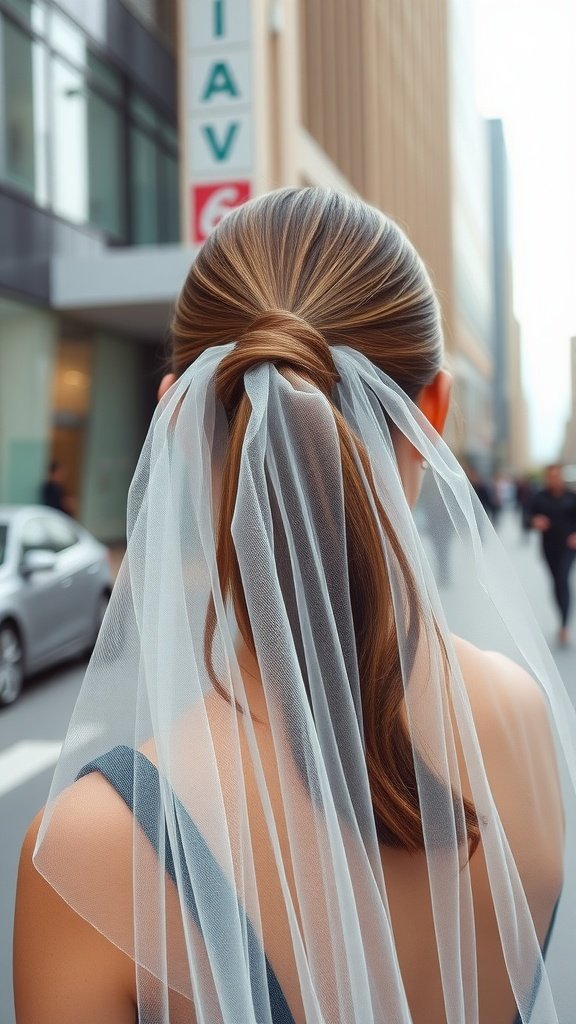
77, 136
23, 128
145, 212
159, 16
154, 172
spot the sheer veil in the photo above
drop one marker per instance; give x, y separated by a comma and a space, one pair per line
260, 881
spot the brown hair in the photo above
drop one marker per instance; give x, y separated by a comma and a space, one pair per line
286, 277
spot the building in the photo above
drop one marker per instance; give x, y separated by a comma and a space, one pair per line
127, 127
89, 158
568, 453
502, 289
518, 451
511, 430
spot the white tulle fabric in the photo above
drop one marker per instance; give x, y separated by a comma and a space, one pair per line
279, 794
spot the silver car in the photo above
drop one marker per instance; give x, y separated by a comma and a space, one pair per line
55, 582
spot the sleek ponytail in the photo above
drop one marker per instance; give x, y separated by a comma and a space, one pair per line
286, 277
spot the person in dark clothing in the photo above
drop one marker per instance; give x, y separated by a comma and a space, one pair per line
553, 514
484, 492
524, 499
52, 491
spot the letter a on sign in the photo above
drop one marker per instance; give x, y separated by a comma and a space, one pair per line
220, 80
211, 202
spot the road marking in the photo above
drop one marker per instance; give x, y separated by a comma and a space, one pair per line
22, 761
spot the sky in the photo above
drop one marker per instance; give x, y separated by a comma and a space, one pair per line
526, 74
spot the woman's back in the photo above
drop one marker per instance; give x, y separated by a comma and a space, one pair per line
513, 731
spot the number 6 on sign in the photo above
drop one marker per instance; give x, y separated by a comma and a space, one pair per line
211, 202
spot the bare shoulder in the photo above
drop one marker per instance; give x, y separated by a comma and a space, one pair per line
500, 688
512, 722
90, 824
64, 968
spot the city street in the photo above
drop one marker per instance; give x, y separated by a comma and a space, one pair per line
39, 720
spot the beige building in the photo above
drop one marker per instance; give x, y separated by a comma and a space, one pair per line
569, 446
519, 453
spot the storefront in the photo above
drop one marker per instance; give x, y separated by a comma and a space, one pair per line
89, 157
78, 396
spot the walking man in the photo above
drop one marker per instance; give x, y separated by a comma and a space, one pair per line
52, 491
554, 516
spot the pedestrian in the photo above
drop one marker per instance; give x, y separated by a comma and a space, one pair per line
53, 492
290, 793
502, 494
483, 492
553, 514
523, 498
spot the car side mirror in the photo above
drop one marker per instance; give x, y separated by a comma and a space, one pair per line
37, 560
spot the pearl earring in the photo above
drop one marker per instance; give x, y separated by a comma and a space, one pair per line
424, 464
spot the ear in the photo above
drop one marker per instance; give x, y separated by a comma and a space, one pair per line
434, 400
167, 381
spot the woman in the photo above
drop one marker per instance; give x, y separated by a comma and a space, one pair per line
288, 793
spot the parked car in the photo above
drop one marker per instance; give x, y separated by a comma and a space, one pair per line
55, 582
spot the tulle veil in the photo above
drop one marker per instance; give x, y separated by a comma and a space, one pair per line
259, 884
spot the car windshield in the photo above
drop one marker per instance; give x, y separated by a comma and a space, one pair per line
3, 541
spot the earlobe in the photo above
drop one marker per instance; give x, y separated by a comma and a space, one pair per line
167, 381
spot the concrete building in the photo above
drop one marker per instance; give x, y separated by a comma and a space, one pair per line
511, 448
502, 289
89, 158
568, 454
519, 454
128, 127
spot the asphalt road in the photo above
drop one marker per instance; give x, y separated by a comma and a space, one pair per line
42, 713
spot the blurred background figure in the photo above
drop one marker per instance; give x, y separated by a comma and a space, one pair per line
483, 491
554, 516
501, 495
524, 497
431, 506
53, 491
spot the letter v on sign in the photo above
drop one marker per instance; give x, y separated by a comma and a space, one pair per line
221, 149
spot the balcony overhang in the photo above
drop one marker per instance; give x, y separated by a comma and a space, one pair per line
125, 291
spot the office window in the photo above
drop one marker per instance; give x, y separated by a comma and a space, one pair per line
67, 38
105, 164
87, 152
69, 142
31, 11
22, 67
77, 137
106, 76
144, 189
170, 198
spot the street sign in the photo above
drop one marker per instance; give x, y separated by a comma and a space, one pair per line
219, 154
211, 202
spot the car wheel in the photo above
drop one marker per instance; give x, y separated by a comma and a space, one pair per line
11, 664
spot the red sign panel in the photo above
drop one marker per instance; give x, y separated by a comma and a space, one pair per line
211, 202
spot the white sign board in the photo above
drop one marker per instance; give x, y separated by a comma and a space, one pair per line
218, 109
